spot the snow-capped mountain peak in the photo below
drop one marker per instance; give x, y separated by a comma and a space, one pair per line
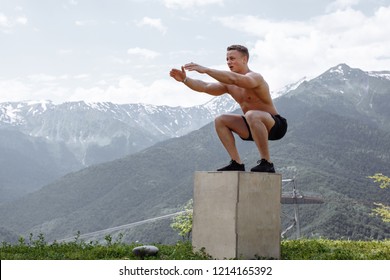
92, 131
290, 87
380, 74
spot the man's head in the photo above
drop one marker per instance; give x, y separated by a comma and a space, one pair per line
242, 49
237, 58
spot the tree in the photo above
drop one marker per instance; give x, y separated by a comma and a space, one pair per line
382, 210
182, 223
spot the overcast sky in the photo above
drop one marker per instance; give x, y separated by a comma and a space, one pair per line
122, 50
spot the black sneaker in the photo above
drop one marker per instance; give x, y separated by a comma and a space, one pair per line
233, 166
264, 166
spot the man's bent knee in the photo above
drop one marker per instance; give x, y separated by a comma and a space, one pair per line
254, 117
219, 120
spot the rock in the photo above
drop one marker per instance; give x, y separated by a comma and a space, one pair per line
144, 251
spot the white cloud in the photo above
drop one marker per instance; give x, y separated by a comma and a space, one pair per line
261, 27
121, 90
282, 50
21, 20
126, 89
46, 78
146, 53
154, 23
82, 76
34, 88
4, 22
286, 51
185, 4
341, 5
7, 23
85, 22
14, 90
64, 51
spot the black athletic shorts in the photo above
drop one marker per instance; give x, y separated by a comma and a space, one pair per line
277, 131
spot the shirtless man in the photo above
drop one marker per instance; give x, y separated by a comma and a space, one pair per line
260, 122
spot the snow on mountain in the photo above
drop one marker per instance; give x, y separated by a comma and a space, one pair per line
217, 106
15, 113
97, 132
290, 87
73, 135
342, 85
9, 115
380, 74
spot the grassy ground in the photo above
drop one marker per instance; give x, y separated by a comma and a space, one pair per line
305, 249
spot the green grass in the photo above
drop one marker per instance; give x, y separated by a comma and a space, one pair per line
324, 249
304, 249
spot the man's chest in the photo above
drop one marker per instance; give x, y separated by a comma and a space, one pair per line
242, 95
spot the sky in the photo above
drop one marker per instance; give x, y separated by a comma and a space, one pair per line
121, 51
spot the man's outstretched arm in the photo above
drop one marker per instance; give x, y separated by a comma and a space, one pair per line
250, 80
215, 89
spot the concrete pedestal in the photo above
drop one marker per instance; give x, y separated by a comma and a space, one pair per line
237, 214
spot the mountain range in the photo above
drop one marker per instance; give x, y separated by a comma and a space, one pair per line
44, 141
338, 135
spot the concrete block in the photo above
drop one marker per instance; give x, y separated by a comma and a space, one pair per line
237, 214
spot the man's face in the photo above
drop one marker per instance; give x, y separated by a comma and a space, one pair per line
235, 60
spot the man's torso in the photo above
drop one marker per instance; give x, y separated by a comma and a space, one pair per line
257, 98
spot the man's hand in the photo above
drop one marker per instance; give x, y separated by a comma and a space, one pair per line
178, 75
214, 89
195, 67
